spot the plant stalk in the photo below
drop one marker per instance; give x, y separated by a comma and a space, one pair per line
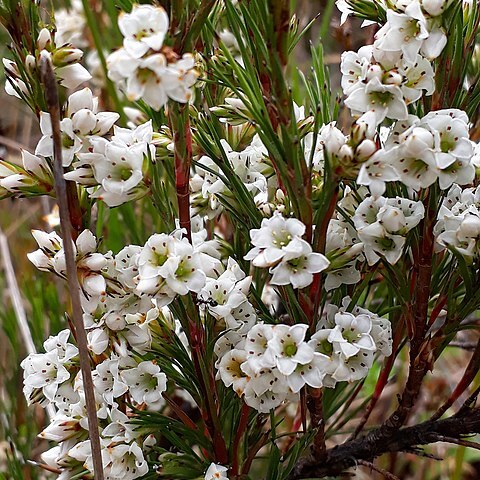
51, 93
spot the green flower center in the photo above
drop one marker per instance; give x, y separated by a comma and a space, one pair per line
290, 350
381, 98
67, 142
125, 173
281, 238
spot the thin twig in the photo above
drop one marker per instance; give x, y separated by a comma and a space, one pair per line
14, 293
381, 471
17, 304
51, 93
459, 441
467, 378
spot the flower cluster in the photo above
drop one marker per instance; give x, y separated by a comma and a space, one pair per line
248, 293
382, 225
250, 167
458, 224
65, 59
384, 78
35, 177
272, 363
145, 68
376, 82
418, 152
278, 245
53, 377
114, 169
81, 122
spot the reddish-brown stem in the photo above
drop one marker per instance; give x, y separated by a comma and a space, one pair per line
182, 139
242, 426
186, 420
207, 385
315, 407
76, 215
467, 378
253, 452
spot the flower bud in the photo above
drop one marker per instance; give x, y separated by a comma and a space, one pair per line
365, 150
433, 7
393, 78
374, 71
364, 127
345, 154
391, 218
30, 63
418, 140
84, 121
66, 56
44, 40
14, 183
470, 227
279, 196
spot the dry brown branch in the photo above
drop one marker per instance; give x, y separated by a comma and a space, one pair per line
50, 82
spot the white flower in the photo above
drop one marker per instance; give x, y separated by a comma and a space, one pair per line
147, 83
83, 453
354, 66
216, 472
169, 265
70, 25
271, 239
144, 29
266, 401
59, 345
180, 77
386, 101
61, 428
126, 265
82, 108
90, 264
353, 368
434, 7
298, 265
311, 373
382, 225
288, 347
71, 142
98, 340
127, 462
13, 80
452, 146
230, 372
418, 77
403, 31
146, 383
152, 78
256, 345
70, 73
118, 171
43, 371
107, 380
223, 295
50, 244
351, 334
414, 160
